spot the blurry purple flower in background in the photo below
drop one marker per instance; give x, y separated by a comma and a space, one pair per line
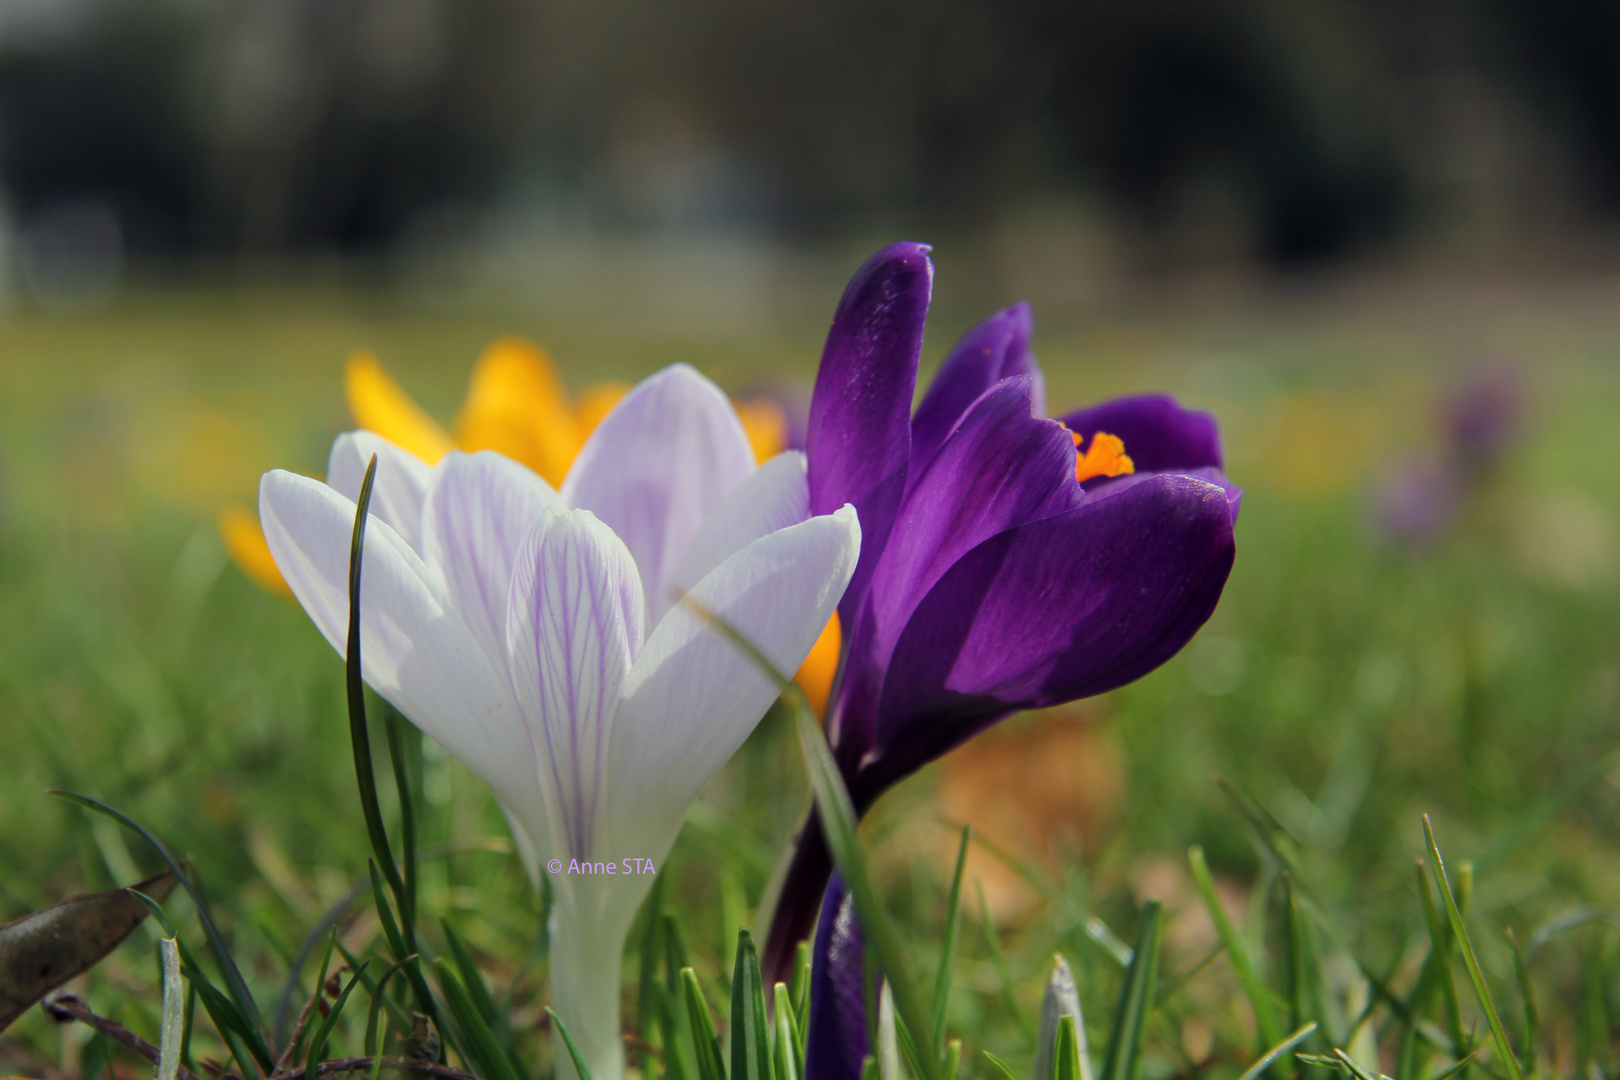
1480, 417
1483, 415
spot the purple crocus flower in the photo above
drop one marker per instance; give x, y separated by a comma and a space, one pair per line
1000, 568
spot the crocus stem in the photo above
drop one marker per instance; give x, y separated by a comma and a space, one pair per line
800, 901
585, 963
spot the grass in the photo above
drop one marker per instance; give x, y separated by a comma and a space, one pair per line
1345, 687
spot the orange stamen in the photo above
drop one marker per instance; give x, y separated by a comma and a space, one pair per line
1104, 457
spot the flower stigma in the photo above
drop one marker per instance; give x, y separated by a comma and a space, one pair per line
1104, 457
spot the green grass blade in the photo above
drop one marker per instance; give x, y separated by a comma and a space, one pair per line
396, 945
1266, 1060
1470, 958
359, 739
1527, 996
799, 988
471, 979
788, 1053
174, 1023
1061, 999
235, 985
1125, 1042
1453, 1069
1001, 1066
888, 1038
394, 728
838, 822
947, 945
953, 1058
380, 1000
1441, 942
705, 1041
493, 1064
317, 1045
1065, 1052
1237, 951
750, 1033
580, 1068
993, 946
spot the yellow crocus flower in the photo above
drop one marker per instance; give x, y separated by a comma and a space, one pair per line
518, 406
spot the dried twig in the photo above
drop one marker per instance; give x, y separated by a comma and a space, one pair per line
411, 1065
63, 1007
297, 1033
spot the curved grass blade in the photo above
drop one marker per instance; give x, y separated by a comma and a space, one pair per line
394, 728
993, 947
1125, 1042
359, 739
1001, 1066
379, 999
235, 985
317, 1045
580, 1067
947, 945
1470, 958
1237, 950
838, 820
492, 1063
311, 942
1270, 1056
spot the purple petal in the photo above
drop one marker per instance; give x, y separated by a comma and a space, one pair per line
1001, 468
1053, 610
996, 349
837, 1042
1159, 435
859, 442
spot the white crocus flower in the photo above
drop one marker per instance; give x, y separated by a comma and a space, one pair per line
535, 635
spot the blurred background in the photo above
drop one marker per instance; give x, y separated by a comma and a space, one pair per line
1379, 240
1146, 138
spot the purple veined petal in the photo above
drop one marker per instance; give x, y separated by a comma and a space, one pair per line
396, 494
1002, 467
1054, 610
575, 621
996, 349
859, 440
693, 696
658, 464
415, 650
837, 1043
775, 496
475, 514
1159, 435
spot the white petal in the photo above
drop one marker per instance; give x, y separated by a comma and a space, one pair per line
693, 696
415, 650
575, 623
775, 496
396, 494
475, 514
657, 465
